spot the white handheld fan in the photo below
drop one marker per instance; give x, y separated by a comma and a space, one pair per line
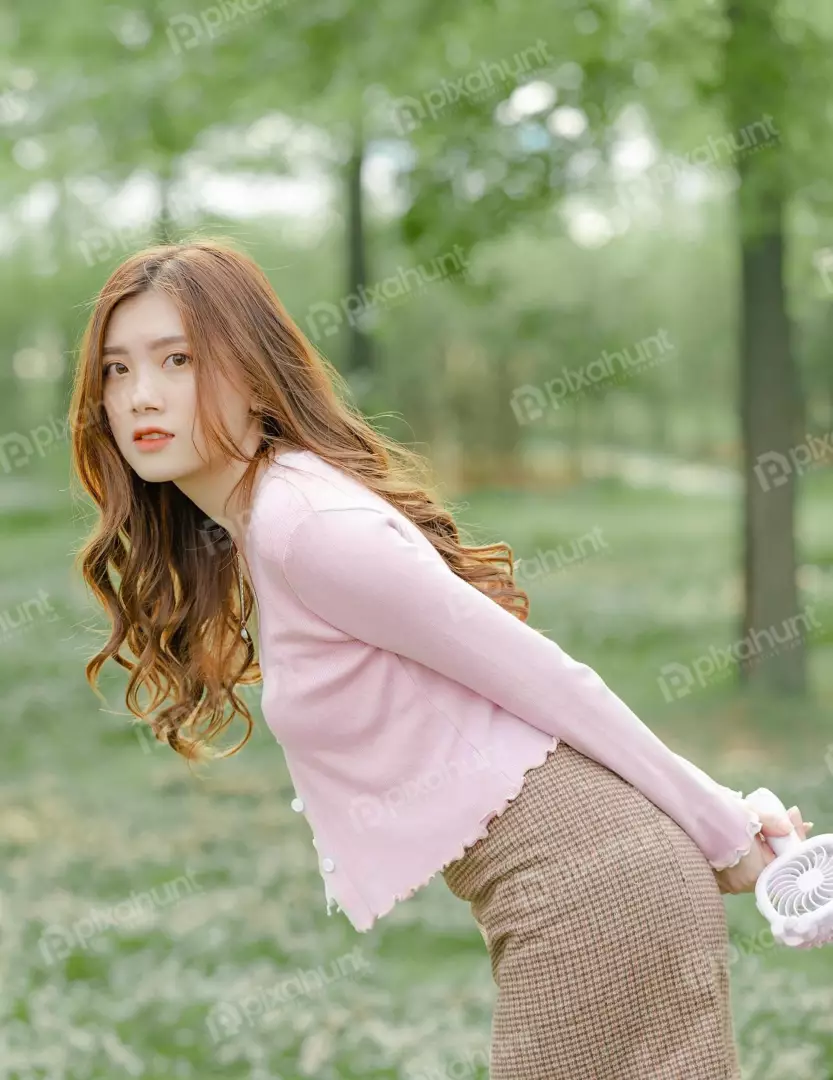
795, 891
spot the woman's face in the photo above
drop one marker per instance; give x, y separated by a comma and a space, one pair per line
150, 382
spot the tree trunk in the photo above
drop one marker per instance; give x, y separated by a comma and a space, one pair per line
578, 438
505, 430
359, 344
163, 231
769, 396
166, 144
828, 422
767, 388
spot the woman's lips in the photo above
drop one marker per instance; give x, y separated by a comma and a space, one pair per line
148, 443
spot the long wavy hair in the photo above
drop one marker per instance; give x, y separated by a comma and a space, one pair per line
175, 601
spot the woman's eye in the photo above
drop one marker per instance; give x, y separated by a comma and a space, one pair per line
107, 367
179, 356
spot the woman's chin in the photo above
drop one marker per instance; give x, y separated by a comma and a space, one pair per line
158, 468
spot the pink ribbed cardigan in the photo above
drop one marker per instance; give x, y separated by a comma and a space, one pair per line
409, 705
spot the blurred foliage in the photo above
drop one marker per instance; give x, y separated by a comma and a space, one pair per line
541, 187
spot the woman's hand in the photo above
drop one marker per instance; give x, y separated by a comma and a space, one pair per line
742, 878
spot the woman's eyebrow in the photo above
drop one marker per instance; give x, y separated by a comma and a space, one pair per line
156, 344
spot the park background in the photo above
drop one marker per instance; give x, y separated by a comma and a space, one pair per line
576, 256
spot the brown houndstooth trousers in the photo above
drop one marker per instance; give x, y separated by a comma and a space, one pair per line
606, 932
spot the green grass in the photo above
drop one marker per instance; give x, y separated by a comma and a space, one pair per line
198, 984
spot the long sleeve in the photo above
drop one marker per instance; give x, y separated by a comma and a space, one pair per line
359, 570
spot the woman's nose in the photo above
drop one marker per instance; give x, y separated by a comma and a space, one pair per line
145, 391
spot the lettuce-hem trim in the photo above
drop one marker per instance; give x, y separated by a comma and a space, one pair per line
398, 898
753, 827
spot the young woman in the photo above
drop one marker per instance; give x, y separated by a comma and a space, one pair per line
426, 727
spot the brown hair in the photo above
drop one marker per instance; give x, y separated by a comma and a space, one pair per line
177, 602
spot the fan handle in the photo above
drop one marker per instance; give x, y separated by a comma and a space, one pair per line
765, 801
